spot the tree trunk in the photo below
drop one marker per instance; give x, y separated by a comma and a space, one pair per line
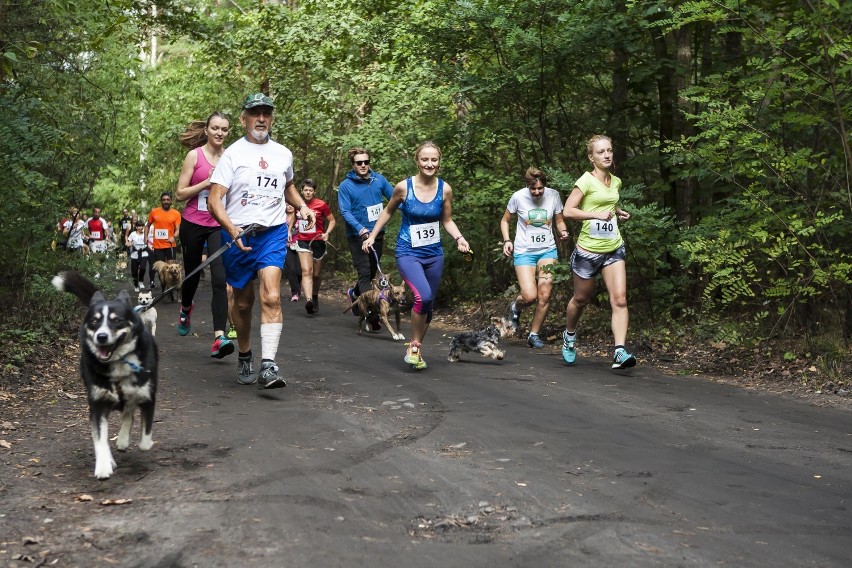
684, 188
619, 121
667, 100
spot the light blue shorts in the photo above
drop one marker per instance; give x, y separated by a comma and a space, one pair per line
532, 258
268, 248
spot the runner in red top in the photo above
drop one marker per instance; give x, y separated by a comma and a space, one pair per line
311, 245
97, 229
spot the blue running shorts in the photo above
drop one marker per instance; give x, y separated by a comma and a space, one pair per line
268, 248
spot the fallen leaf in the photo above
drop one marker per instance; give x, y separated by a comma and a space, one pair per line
84, 498
29, 540
5, 444
108, 502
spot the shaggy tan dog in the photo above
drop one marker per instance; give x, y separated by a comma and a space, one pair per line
171, 273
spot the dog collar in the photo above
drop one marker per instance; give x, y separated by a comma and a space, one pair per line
133, 366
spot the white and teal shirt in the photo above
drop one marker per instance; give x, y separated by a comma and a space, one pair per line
534, 232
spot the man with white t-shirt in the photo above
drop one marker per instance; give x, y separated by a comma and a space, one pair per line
254, 177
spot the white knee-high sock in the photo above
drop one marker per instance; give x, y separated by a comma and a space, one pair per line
270, 335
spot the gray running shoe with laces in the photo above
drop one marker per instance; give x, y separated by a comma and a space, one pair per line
245, 371
269, 377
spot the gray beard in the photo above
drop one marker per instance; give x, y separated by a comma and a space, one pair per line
259, 135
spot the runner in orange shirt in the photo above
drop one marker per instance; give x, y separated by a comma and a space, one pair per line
164, 226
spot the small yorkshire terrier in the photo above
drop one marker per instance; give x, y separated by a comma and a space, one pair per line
149, 316
483, 341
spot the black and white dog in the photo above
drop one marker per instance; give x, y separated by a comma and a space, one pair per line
483, 341
118, 363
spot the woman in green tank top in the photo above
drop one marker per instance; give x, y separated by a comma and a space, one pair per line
599, 250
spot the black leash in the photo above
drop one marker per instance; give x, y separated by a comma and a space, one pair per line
248, 231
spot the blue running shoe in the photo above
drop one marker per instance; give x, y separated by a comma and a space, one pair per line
535, 341
569, 352
622, 359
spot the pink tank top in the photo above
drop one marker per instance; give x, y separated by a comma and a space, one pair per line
196, 208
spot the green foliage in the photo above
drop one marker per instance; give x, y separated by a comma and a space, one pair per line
758, 113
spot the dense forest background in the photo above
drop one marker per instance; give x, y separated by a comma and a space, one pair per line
729, 121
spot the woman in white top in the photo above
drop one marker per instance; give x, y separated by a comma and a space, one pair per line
533, 251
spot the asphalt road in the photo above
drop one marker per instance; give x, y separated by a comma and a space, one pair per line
523, 462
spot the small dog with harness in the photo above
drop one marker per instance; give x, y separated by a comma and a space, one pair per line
379, 302
483, 341
118, 363
148, 315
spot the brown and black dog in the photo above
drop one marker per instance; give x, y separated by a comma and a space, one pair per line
380, 302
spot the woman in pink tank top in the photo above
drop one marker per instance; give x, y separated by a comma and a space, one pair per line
198, 228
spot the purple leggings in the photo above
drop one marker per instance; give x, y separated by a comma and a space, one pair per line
423, 276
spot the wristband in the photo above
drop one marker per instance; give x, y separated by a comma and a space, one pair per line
507, 241
459, 237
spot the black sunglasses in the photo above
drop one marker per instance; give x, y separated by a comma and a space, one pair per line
362, 162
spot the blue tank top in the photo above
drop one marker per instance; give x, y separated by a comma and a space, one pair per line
420, 231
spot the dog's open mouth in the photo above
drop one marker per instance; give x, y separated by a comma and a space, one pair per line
104, 352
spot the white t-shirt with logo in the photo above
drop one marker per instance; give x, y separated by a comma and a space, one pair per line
256, 176
75, 233
534, 233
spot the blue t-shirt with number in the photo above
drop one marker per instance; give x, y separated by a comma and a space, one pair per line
420, 232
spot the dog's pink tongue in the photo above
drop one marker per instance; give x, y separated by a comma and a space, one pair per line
104, 353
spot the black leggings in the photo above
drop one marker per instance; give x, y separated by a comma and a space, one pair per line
137, 268
365, 263
294, 271
192, 239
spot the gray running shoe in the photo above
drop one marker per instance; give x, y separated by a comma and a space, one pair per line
245, 371
269, 377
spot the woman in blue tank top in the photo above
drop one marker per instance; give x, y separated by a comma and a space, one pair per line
425, 202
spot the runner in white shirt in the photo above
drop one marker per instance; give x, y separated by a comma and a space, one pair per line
254, 176
534, 248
